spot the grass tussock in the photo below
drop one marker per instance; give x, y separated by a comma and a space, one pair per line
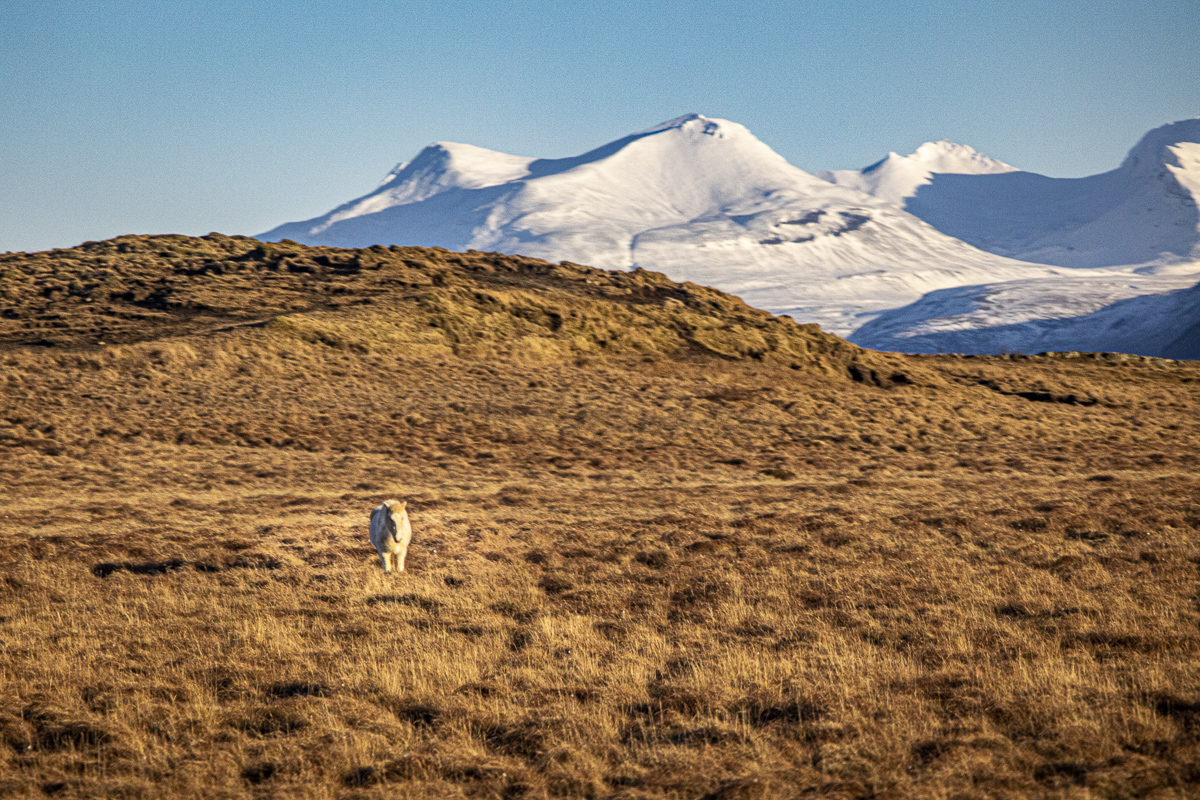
719, 555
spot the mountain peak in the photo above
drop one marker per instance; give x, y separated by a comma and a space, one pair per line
678, 122
463, 165
897, 178
945, 156
1159, 147
1142, 213
695, 123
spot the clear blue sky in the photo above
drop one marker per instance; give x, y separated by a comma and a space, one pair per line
153, 117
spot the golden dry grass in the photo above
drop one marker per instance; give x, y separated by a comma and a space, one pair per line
717, 555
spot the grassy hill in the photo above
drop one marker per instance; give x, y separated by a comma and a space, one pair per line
665, 545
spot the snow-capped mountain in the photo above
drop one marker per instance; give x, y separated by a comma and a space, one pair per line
1131, 235
929, 252
696, 198
1143, 212
897, 178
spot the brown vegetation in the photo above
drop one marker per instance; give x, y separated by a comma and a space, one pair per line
664, 545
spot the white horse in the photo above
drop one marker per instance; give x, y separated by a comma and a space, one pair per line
391, 533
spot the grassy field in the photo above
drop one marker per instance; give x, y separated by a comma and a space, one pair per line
664, 545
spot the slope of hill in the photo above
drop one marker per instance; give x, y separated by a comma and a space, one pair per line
665, 545
1143, 212
696, 198
409, 301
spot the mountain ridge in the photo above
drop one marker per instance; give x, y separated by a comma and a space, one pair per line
701, 199
1141, 212
895, 177
698, 198
403, 302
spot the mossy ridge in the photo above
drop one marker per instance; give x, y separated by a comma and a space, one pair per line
403, 301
